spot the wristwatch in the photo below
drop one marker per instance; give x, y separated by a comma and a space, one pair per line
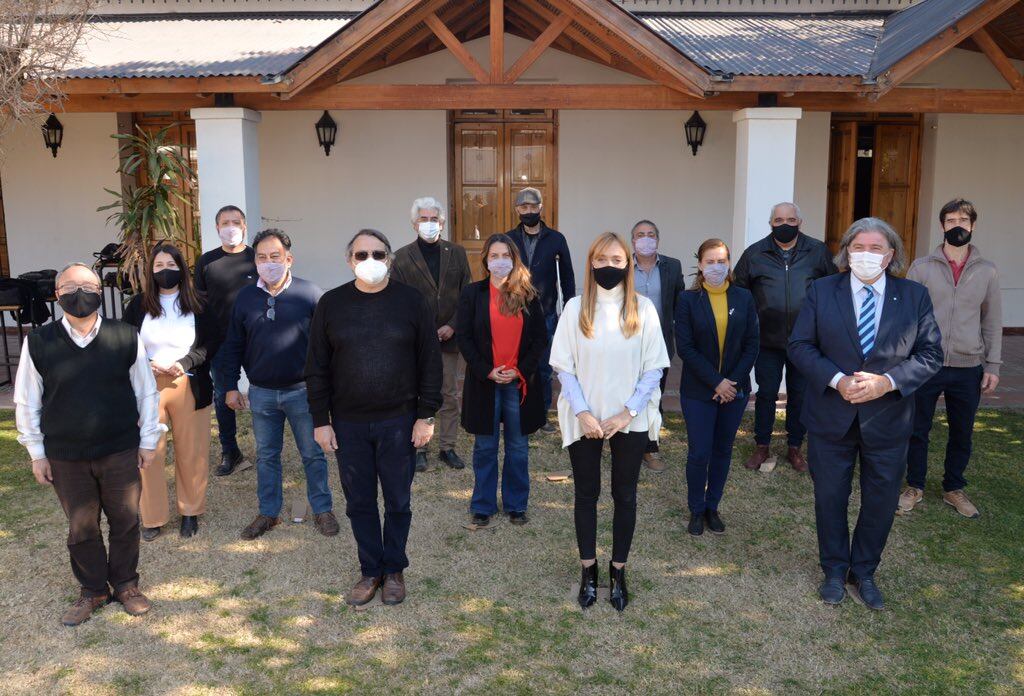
429, 421
633, 413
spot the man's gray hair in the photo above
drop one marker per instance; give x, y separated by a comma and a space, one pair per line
376, 234
426, 203
74, 264
871, 224
799, 215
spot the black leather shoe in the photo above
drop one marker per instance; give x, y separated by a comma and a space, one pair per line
452, 459
189, 526
421, 462
832, 591
715, 524
865, 591
229, 463
151, 533
549, 427
518, 518
696, 526
588, 586
617, 586
481, 520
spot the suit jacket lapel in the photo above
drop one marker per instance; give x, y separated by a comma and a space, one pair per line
446, 254
890, 305
666, 302
709, 314
844, 300
421, 264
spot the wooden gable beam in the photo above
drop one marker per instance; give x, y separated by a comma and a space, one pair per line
578, 36
459, 23
542, 43
497, 29
453, 44
533, 26
933, 49
403, 27
999, 59
456, 20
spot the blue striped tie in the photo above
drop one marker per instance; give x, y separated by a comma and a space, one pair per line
866, 327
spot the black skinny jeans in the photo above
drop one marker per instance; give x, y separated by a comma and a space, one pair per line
627, 456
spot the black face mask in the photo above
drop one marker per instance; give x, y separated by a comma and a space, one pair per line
530, 219
784, 234
80, 303
957, 236
609, 277
167, 278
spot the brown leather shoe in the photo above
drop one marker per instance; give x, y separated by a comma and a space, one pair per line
134, 602
796, 459
363, 591
326, 523
260, 526
758, 457
959, 500
654, 462
394, 589
909, 499
82, 609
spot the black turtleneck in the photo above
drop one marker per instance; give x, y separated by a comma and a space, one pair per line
432, 255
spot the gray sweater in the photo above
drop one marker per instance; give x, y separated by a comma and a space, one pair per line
969, 313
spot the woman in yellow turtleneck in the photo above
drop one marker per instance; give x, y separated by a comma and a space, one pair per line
717, 338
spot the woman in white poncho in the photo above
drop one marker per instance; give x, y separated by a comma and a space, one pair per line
609, 354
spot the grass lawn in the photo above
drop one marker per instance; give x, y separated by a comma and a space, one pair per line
490, 611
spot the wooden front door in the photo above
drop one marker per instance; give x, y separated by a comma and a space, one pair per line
874, 169
491, 162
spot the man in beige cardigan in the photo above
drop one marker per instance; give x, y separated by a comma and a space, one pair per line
964, 288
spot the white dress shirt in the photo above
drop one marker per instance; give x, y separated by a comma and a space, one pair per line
859, 290
28, 395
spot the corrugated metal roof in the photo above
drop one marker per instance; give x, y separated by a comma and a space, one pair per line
907, 29
773, 45
188, 47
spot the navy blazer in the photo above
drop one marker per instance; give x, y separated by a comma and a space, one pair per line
825, 341
697, 342
551, 262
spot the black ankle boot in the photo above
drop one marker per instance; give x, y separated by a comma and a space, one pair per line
617, 584
588, 586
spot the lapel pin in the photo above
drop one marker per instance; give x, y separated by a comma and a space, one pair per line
731, 311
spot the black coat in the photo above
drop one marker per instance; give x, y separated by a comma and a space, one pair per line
550, 264
697, 341
197, 361
779, 289
473, 335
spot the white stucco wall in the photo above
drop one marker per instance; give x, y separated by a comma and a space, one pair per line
50, 204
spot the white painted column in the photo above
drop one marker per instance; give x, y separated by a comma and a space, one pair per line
765, 170
228, 153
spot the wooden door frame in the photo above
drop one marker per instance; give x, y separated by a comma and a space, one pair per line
5, 259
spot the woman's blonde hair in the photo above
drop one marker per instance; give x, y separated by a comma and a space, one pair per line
517, 291
630, 315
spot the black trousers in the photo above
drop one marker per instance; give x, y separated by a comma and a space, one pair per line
768, 373
652, 445
110, 485
881, 472
627, 455
962, 388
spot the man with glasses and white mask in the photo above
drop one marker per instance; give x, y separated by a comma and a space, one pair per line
269, 337
374, 382
439, 270
86, 407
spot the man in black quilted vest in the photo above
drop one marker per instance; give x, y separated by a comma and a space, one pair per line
86, 407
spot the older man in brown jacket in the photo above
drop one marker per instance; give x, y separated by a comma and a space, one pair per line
964, 289
439, 270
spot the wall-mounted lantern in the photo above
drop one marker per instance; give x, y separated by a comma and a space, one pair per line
53, 133
695, 131
326, 132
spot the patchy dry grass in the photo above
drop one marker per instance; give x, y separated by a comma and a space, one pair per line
490, 611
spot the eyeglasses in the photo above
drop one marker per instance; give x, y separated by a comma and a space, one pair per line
68, 288
378, 255
271, 301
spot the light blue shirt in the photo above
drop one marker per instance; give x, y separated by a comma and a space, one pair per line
859, 291
649, 284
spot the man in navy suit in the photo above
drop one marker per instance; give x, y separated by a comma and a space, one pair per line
866, 340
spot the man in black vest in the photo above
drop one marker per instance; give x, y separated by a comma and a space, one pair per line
86, 407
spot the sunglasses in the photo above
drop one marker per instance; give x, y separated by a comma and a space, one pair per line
378, 255
271, 301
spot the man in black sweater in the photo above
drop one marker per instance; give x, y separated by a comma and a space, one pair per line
269, 337
220, 274
373, 377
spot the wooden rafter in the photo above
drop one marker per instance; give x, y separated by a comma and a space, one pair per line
401, 28
578, 36
458, 23
456, 47
167, 85
999, 59
798, 83
532, 26
423, 33
542, 43
497, 29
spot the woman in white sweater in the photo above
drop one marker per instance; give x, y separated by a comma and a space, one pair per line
609, 354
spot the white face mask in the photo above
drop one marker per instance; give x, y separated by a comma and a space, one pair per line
230, 236
646, 246
429, 231
866, 265
371, 271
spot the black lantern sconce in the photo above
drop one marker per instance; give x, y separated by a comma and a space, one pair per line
53, 133
326, 132
695, 131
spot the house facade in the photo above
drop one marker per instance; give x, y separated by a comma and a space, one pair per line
847, 107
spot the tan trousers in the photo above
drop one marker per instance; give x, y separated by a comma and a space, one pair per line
448, 415
191, 430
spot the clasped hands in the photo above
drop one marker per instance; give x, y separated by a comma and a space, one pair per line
502, 376
173, 371
595, 429
861, 387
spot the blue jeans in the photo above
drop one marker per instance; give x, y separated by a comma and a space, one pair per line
544, 371
768, 373
368, 453
962, 388
227, 427
515, 474
710, 432
270, 408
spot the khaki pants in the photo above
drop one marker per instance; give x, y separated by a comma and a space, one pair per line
448, 415
191, 455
